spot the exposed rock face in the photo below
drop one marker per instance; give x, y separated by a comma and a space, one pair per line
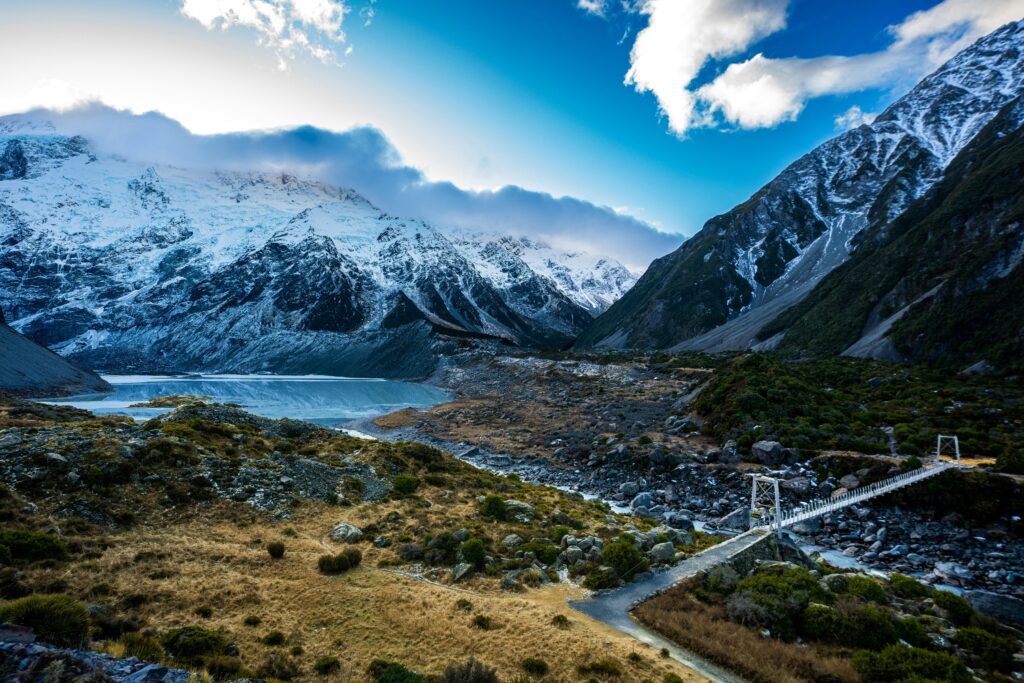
346, 533
28, 369
133, 267
746, 266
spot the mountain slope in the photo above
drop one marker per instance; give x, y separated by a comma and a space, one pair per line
746, 266
129, 267
27, 369
944, 282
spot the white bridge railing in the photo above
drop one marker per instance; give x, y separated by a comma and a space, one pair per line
824, 506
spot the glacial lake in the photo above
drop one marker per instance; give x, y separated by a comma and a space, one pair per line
314, 398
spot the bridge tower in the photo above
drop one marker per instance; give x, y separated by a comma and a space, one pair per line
947, 445
765, 501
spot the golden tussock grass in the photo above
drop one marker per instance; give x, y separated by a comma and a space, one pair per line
705, 630
217, 558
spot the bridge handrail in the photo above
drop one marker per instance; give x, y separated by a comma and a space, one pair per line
820, 506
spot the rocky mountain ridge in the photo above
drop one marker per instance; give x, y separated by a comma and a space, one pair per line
747, 266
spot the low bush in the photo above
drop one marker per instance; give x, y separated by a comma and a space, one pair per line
600, 578
146, 648
325, 666
560, 621
825, 624
276, 550
986, 650
55, 619
474, 552
389, 672
535, 666
898, 663
493, 507
543, 549
600, 667
873, 627
624, 557
252, 620
191, 644
483, 622
405, 485
464, 605
910, 630
907, 587
470, 671
958, 609
273, 638
223, 667
278, 666
672, 677
865, 588
33, 546
350, 558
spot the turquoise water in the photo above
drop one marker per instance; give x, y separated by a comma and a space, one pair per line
314, 398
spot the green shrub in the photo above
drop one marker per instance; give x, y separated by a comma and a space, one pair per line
5, 555
483, 622
325, 666
389, 672
350, 558
825, 624
959, 610
204, 611
253, 620
600, 667
865, 588
672, 677
560, 621
33, 546
405, 484
543, 549
276, 550
192, 643
474, 552
493, 507
471, 671
535, 666
56, 619
600, 578
278, 666
464, 605
907, 587
223, 667
910, 630
273, 638
146, 648
624, 557
873, 628
644, 440
986, 650
897, 663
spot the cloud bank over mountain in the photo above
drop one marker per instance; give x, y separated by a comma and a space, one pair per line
365, 160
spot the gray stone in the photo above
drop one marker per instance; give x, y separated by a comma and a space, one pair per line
461, 572
461, 535
518, 511
642, 500
767, 452
629, 488
511, 541
662, 552
849, 482
1005, 608
573, 554
346, 533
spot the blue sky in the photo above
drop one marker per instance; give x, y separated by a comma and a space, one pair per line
528, 93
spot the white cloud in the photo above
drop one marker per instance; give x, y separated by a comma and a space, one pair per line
282, 25
596, 7
854, 117
682, 37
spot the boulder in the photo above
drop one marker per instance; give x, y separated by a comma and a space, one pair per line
573, 554
767, 452
797, 485
346, 533
1005, 608
518, 511
511, 541
662, 552
849, 482
461, 572
679, 521
629, 488
642, 500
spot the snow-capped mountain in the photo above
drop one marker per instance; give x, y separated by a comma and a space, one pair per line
129, 266
748, 265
